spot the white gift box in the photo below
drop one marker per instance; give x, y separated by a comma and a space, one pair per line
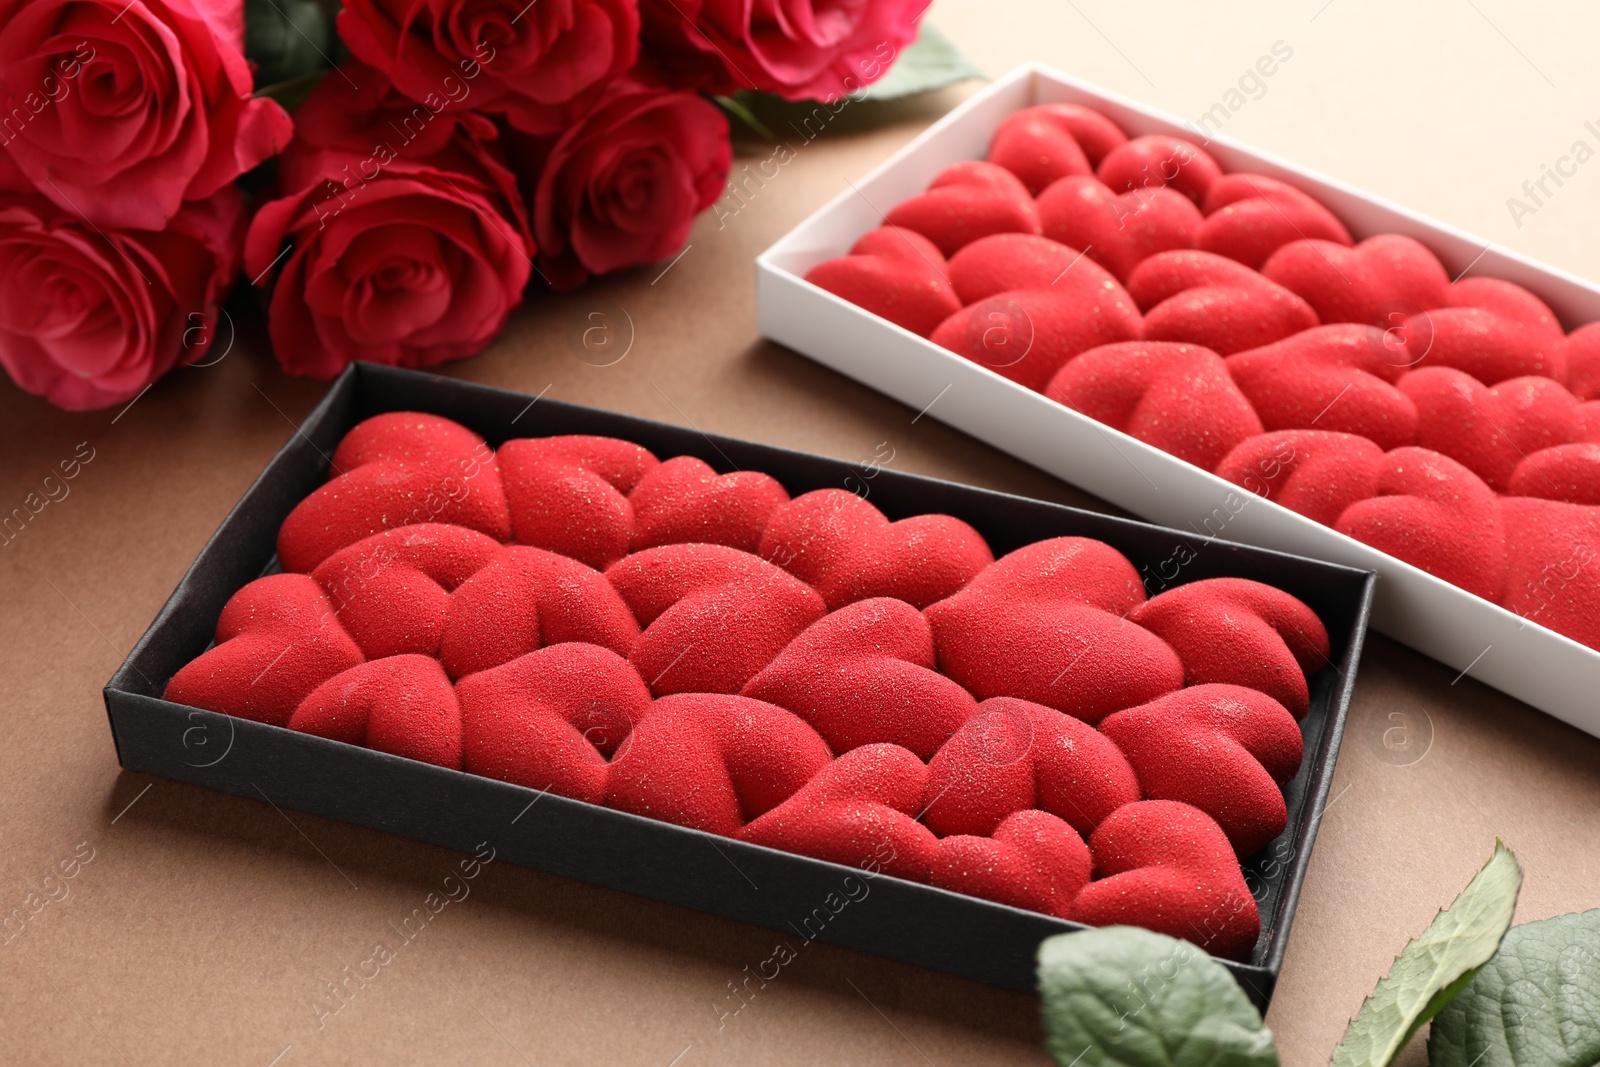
1481, 639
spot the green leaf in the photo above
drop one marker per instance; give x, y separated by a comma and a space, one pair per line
737, 108
288, 39
1124, 996
930, 62
1535, 1004
1436, 966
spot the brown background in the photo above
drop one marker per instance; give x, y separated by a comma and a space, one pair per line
205, 925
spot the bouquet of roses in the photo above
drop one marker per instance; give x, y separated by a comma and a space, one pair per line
449, 158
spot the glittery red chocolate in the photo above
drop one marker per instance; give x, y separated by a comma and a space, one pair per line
1159, 160
965, 202
570, 494
865, 674
713, 762
397, 469
1040, 144
1226, 749
847, 550
1047, 623
1117, 230
1251, 216
402, 705
894, 273
551, 719
277, 639
713, 616
1167, 866
1241, 632
1177, 397
685, 500
1214, 302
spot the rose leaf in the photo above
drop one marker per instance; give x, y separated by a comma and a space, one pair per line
1435, 966
1120, 996
930, 62
1535, 1004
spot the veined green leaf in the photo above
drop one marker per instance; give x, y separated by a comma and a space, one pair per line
1435, 966
930, 62
1535, 1004
1120, 996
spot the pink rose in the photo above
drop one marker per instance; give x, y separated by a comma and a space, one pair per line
89, 317
799, 49
533, 60
124, 109
622, 187
399, 243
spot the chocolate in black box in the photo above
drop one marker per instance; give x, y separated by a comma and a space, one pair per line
804, 897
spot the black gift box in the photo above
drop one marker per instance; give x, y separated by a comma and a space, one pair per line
805, 898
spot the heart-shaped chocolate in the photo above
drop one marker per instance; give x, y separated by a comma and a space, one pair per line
866, 674
1486, 345
1048, 141
1118, 231
1046, 624
402, 705
1168, 867
1026, 335
392, 590
549, 719
277, 639
1553, 565
1225, 749
1509, 301
1013, 755
968, 200
1251, 216
1490, 430
1240, 632
1382, 281
846, 549
1336, 378
1317, 473
713, 616
525, 598
1005, 262
1033, 860
1177, 397
1205, 299
569, 494
860, 810
713, 762
1435, 514
1569, 473
894, 273
685, 501
397, 469
1160, 160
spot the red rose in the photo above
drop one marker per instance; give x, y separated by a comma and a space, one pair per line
799, 49
399, 244
123, 109
622, 187
533, 60
90, 316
